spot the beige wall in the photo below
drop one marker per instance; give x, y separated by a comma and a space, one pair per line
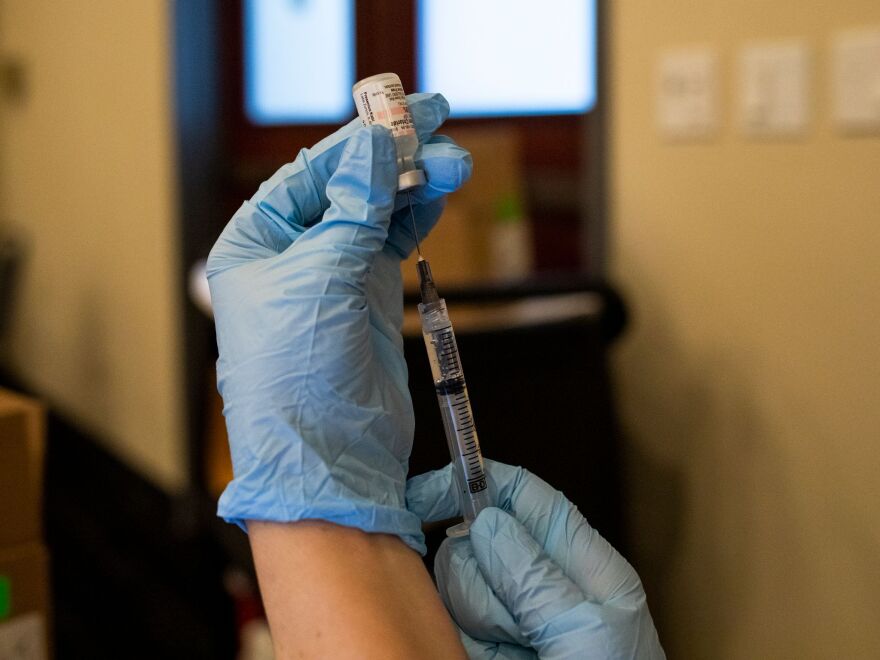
750, 379
87, 170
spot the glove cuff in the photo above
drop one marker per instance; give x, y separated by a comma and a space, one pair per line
366, 516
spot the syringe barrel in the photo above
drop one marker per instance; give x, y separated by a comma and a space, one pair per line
440, 341
455, 409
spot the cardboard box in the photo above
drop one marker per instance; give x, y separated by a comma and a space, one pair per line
22, 451
24, 602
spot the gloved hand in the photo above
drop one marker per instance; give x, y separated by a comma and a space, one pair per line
533, 579
307, 297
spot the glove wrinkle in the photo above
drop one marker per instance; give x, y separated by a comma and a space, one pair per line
431, 495
317, 198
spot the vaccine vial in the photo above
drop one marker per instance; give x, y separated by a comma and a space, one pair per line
380, 99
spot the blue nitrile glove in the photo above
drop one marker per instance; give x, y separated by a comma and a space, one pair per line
533, 579
307, 297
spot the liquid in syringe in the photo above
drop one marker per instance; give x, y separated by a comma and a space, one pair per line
455, 405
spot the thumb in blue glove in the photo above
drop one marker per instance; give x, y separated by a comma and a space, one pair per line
533, 574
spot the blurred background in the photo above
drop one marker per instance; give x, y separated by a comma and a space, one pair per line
665, 270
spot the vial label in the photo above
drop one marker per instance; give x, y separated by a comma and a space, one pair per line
384, 103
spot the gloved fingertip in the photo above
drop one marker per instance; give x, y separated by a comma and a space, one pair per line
427, 482
433, 100
451, 170
431, 496
447, 166
375, 140
440, 139
429, 111
441, 103
504, 481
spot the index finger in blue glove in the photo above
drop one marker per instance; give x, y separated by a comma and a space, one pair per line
518, 570
355, 227
294, 197
564, 533
550, 609
473, 604
432, 496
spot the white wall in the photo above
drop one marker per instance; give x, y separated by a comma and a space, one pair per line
87, 170
749, 379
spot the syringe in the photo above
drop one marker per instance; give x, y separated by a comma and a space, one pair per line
381, 100
455, 405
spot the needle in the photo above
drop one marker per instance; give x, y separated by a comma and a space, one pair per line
413, 218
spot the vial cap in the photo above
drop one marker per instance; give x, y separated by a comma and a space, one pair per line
411, 179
